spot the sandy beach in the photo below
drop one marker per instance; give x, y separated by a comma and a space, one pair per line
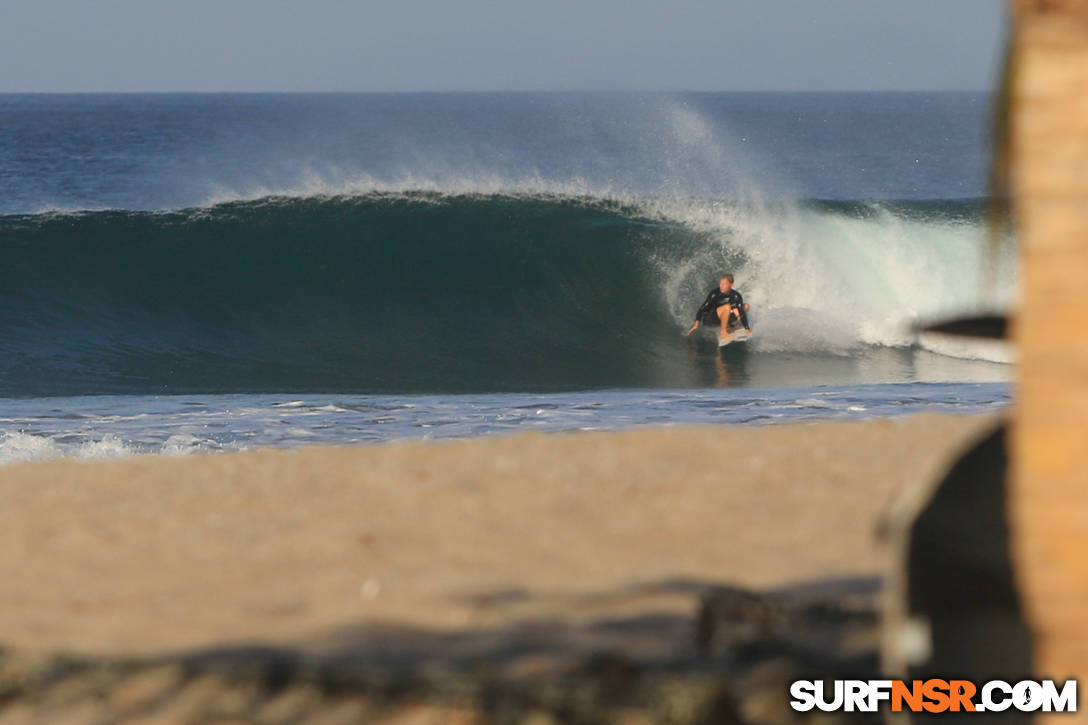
154, 554
332, 582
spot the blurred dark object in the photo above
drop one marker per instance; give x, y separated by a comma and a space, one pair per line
987, 326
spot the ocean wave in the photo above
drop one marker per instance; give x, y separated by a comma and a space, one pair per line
484, 285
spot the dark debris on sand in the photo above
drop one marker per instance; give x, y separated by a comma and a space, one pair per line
742, 650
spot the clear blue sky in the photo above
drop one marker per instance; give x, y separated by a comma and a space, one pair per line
445, 45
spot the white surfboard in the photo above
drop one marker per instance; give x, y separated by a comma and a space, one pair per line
740, 335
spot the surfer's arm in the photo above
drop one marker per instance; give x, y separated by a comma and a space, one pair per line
703, 308
707, 306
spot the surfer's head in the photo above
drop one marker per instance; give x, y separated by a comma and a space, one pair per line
725, 283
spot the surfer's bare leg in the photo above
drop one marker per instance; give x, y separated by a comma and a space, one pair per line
723, 314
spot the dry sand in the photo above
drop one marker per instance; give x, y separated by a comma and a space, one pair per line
323, 547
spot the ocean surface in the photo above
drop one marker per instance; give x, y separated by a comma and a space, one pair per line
204, 272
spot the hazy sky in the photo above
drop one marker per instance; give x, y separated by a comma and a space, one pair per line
406, 45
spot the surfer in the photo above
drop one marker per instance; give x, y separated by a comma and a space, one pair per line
723, 307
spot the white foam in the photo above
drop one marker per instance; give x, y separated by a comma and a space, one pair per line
483, 183
17, 447
998, 351
182, 444
823, 280
109, 446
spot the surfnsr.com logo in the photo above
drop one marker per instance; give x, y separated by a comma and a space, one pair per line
934, 696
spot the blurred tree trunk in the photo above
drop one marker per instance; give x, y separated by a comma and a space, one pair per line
1048, 137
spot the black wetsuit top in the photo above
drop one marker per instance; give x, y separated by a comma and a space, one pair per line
708, 311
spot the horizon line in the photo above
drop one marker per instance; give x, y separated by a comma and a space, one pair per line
491, 91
